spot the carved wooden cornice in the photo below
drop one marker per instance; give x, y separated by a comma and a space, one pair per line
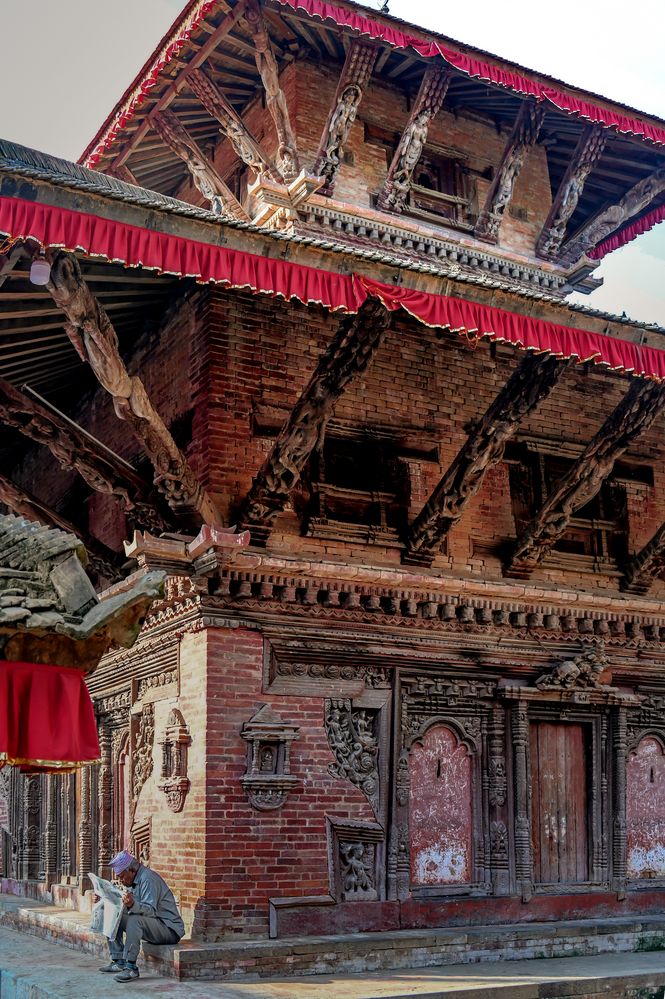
587, 153
427, 104
287, 156
92, 334
532, 381
356, 73
347, 356
204, 174
522, 138
635, 201
635, 413
646, 566
232, 126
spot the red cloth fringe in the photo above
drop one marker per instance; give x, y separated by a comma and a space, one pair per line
628, 233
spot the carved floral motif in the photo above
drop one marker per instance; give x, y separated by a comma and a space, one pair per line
141, 752
352, 737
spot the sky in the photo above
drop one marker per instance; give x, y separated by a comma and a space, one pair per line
65, 64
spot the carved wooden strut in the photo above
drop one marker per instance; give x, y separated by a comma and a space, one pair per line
204, 174
427, 104
640, 406
531, 382
646, 566
96, 342
587, 153
355, 76
522, 139
287, 157
232, 126
636, 200
349, 354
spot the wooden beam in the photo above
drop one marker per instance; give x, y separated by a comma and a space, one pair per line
204, 174
101, 559
522, 138
588, 151
232, 126
427, 105
9, 260
635, 201
122, 172
529, 384
74, 448
355, 76
287, 156
644, 568
640, 406
90, 330
347, 356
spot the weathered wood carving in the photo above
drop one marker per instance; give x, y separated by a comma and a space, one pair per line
232, 126
357, 865
587, 153
349, 353
353, 740
427, 104
635, 413
143, 737
523, 848
532, 381
582, 672
619, 747
287, 156
204, 174
92, 334
522, 138
355, 76
646, 566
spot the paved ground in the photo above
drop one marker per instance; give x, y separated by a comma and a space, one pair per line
37, 969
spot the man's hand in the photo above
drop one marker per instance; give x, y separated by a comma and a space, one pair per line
128, 900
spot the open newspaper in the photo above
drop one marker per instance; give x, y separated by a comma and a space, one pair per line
107, 912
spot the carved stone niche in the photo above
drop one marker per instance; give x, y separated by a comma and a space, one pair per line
268, 779
173, 779
356, 856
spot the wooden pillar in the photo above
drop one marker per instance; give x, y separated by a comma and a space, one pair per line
497, 794
85, 858
31, 809
104, 800
619, 749
523, 847
51, 830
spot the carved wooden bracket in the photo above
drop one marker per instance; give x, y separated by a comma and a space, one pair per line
353, 739
529, 384
635, 413
522, 138
204, 174
355, 76
174, 781
587, 153
427, 104
646, 566
287, 157
268, 780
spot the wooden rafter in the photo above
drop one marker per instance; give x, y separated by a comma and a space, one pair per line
529, 384
354, 78
347, 356
92, 334
522, 138
640, 406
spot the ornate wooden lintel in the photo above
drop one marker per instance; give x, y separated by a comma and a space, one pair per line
92, 334
640, 406
532, 381
204, 174
428, 103
588, 151
349, 354
355, 76
523, 136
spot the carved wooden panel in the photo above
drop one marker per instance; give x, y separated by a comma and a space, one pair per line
645, 810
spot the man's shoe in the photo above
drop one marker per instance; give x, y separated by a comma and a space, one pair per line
113, 967
127, 975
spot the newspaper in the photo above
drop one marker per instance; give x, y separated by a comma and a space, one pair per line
107, 912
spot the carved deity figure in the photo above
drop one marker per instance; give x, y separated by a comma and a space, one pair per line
355, 874
584, 671
338, 129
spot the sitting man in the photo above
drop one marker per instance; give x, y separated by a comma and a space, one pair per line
149, 913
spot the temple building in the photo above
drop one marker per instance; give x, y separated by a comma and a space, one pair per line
296, 331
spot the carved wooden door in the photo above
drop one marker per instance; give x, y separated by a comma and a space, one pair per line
559, 806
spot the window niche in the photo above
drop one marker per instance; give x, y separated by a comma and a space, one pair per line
174, 781
268, 780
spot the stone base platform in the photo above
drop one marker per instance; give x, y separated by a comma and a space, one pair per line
348, 954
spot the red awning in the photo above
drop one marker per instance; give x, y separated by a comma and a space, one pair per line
628, 233
47, 720
166, 253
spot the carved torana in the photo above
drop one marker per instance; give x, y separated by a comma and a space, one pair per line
355, 76
92, 334
353, 740
349, 354
522, 138
587, 154
530, 383
427, 104
635, 413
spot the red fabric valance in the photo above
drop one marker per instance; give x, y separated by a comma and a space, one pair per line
133, 246
47, 720
478, 67
628, 233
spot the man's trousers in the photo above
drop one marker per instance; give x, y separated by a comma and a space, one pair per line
134, 929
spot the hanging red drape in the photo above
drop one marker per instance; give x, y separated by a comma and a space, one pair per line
47, 720
628, 233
